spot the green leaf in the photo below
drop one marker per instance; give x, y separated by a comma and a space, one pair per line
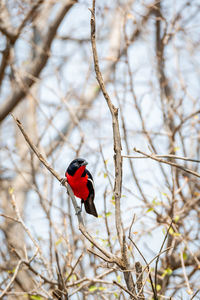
108, 214
185, 256
118, 278
116, 295
158, 287
167, 271
176, 149
11, 190
149, 209
59, 241
11, 271
176, 219
171, 231
93, 288
36, 297
101, 288
177, 234
105, 175
154, 202
72, 277
164, 194
104, 241
113, 201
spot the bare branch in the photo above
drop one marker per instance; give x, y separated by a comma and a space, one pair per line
139, 277
165, 156
125, 289
37, 65
76, 207
152, 156
12, 279
116, 132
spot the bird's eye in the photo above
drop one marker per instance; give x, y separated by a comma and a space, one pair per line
80, 161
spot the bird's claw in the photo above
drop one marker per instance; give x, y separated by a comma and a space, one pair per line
79, 210
63, 180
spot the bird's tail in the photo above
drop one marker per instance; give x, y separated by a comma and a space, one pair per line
90, 207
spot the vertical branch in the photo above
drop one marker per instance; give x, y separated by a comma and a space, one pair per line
139, 283
116, 132
117, 158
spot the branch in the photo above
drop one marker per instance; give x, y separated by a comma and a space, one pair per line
46, 164
189, 291
195, 294
147, 265
12, 279
117, 157
170, 156
4, 60
36, 67
17, 270
125, 289
152, 156
139, 277
82, 228
161, 248
177, 128
116, 132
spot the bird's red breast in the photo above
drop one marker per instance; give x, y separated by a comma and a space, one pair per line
78, 183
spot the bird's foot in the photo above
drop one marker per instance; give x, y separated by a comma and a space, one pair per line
78, 210
63, 180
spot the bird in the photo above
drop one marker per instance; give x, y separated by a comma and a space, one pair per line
81, 182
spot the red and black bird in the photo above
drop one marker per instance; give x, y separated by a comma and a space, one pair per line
81, 182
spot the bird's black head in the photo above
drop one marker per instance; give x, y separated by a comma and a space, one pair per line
75, 165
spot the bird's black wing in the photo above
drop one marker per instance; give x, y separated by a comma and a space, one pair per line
89, 203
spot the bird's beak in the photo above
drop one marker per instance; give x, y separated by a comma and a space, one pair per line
85, 163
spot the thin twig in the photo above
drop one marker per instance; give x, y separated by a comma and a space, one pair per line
152, 156
125, 289
147, 265
157, 260
53, 172
73, 268
195, 294
61, 283
10, 218
184, 273
20, 220
82, 228
12, 279
47, 280
89, 281
165, 156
